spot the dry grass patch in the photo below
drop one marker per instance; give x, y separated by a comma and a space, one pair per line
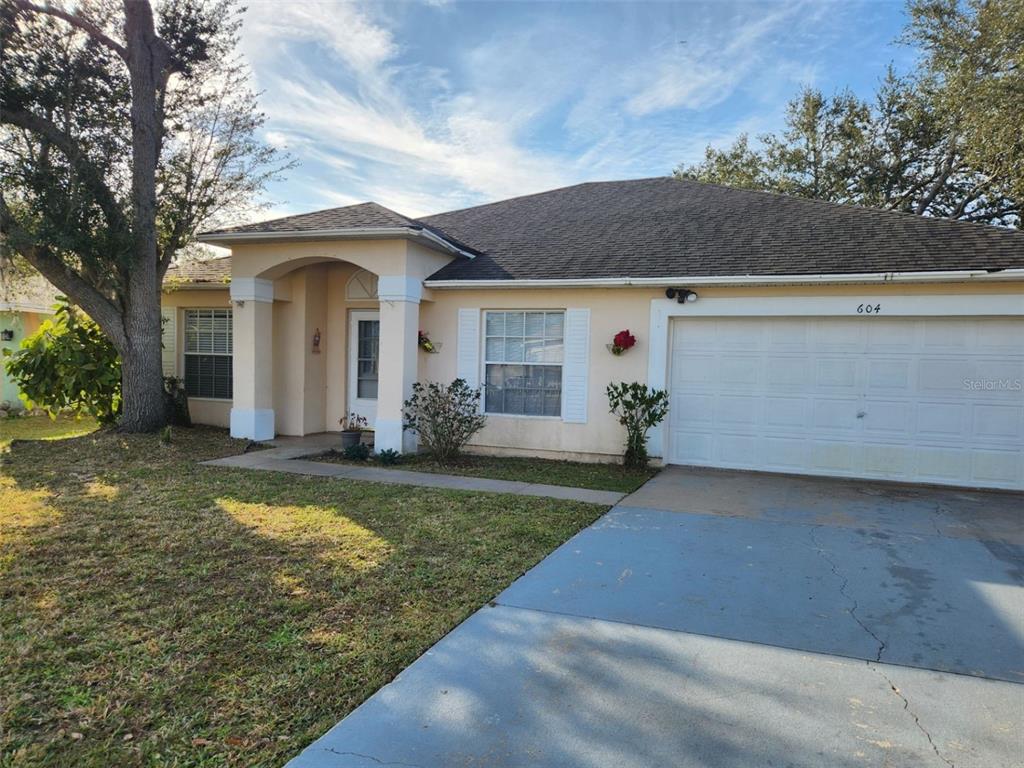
156, 612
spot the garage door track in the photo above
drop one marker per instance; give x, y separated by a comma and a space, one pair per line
721, 618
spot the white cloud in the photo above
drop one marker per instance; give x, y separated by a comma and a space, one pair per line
373, 112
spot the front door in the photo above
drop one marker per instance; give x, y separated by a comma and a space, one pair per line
363, 351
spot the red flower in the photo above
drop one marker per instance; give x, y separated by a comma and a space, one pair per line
624, 339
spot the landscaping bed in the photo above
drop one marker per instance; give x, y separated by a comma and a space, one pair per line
596, 476
158, 612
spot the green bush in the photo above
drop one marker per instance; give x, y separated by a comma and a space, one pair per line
68, 365
357, 452
638, 409
443, 417
389, 457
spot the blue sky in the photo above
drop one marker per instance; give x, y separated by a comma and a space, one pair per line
426, 107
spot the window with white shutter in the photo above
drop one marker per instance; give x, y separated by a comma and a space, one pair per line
523, 353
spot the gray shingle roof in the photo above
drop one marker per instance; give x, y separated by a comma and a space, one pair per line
664, 227
361, 216
364, 216
200, 272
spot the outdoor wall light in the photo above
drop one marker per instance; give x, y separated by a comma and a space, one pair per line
7, 335
682, 295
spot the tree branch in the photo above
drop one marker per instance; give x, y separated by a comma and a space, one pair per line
29, 121
75, 20
67, 280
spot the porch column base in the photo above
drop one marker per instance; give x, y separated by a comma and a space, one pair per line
252, 423
388, 435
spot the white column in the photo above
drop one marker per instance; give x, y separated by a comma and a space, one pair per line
252, 411
397, 369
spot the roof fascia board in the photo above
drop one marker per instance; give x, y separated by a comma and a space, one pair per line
654, 282
362, 233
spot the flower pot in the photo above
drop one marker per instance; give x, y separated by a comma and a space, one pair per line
350, 437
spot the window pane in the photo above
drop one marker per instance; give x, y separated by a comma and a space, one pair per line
366, 389
495, 349
530, 390
495, 323
554, 325
208, 376
534, 351
514, 322
513, 350
535, 324
553, 351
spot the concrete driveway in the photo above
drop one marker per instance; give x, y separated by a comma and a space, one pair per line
733, 619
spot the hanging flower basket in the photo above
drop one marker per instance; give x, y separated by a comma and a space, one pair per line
431, 347
622, 341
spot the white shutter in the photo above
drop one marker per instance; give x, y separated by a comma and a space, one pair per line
467, 366
576, 366
169, 338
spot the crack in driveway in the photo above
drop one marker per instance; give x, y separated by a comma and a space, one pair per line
377, 760
852, 610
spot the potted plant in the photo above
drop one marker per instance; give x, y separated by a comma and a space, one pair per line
352, 427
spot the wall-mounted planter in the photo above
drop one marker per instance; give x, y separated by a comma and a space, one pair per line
435, 347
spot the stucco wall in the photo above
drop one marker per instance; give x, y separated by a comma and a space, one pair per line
612, 309
23, 324
202, 410
310, 389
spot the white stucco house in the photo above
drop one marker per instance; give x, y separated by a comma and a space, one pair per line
793, 335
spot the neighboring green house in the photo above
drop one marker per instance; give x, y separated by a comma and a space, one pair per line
23, 308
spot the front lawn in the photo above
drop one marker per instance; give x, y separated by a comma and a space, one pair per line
600, 477
42, 428
156, 612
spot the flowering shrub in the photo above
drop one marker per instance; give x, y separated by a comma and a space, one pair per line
622, 341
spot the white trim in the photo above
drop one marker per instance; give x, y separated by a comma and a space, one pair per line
399, 288
364, 406
468, 353
898, 305
21, 306
252, 423
684, 281
575, 365
252, 289
360, 233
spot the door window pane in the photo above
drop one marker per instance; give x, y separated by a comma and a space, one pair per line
368, 335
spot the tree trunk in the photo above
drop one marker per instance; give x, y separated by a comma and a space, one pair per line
142, 389
143, 408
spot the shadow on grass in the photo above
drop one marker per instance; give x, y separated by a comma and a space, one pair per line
155, 611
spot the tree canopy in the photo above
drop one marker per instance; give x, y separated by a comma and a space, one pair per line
944, 140
124, 131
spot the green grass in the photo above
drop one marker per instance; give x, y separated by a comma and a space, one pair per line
597, 476
43, 428
154, 612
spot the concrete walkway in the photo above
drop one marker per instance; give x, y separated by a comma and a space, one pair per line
719, 619
286, 455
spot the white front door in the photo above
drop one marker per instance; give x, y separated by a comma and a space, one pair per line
937, 400
363, 354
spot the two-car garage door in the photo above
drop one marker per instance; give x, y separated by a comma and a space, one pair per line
917, 399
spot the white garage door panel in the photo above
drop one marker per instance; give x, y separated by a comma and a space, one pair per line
916, 399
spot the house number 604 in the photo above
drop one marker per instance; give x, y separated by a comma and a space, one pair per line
869, 309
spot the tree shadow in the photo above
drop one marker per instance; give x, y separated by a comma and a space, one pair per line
158, 611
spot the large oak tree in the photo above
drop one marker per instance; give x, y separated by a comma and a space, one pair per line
124, 131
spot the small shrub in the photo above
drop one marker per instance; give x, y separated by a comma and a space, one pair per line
357, 452
389, 457
638, 409
443, 417
165, 435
